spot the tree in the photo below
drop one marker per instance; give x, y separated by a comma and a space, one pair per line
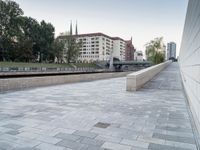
25, 51
28, 40
57, 50
9, 27
46, 40
40, 36
20, 34
155, 51
72, 48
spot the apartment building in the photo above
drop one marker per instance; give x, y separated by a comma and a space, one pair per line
100, 47
171, 50
138, 56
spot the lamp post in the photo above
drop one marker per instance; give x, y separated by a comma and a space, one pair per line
111, 61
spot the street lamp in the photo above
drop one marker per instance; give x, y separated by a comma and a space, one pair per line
111, 60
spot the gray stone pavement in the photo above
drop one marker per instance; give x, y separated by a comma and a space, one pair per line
98, 115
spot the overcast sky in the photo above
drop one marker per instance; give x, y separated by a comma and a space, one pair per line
141, 19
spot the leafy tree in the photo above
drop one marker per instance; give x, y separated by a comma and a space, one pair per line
30, 37
24, 39
40, 36
57, 50
20, 34
9, 27
30, 28
155, 51
24, 51
46, 40
72, 48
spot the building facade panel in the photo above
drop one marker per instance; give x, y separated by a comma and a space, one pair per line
189, 58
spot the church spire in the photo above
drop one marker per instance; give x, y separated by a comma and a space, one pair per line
71, 31
76, 32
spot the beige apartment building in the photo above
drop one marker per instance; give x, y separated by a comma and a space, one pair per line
100, 47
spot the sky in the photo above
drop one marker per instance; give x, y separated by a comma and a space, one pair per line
143, 20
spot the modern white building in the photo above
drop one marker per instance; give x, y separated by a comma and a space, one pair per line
138, 56
100, 47
171, 50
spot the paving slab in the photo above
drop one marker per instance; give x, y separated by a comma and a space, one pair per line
99, 115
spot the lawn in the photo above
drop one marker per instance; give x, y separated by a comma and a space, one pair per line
80, 65
47, 65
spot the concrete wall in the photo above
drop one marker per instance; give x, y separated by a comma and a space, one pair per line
28, 82
137, 79
189, 58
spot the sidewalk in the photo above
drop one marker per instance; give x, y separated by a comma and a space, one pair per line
98, 115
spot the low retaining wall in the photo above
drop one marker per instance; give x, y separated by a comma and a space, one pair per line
137, 79
29, 82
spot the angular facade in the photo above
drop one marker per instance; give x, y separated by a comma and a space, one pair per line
189, 58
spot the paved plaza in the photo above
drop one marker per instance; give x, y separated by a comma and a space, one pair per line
98, 115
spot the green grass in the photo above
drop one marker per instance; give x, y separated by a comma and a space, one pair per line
47, 65
22, 64
92, 65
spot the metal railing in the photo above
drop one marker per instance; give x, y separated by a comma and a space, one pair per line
46, 69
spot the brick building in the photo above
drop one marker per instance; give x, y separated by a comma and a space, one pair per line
129, 50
